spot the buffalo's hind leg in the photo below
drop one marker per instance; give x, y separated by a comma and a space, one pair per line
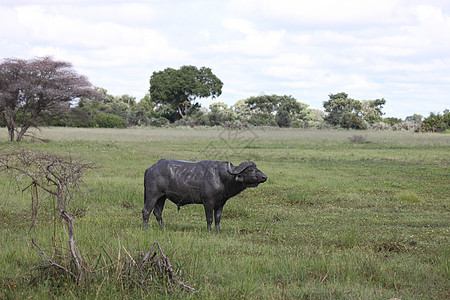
149, 205
157, 210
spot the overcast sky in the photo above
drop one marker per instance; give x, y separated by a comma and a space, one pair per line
393, 49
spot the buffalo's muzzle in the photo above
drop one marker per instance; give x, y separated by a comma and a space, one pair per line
263, 177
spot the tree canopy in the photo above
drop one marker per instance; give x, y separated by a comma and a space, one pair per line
371, 110
350, 113
275, 110
179, 89
30, 87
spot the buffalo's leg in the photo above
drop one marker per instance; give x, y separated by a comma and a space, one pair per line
157, 210
217, 216
148, 207
150, 201
209, 217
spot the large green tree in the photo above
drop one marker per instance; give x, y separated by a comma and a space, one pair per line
29, 88
179, 89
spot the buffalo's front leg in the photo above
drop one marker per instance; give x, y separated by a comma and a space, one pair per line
217, 216
209, 217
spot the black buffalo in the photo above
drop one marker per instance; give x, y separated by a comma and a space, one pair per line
210, 183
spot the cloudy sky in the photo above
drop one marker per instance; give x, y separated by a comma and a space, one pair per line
393, 49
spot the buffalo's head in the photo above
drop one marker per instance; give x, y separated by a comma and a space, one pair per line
248, 173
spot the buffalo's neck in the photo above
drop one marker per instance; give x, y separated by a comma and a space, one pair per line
233, 188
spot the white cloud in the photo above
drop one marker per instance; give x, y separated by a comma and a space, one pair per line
324, 13
433, 32
101, 44
250, 41
295, 70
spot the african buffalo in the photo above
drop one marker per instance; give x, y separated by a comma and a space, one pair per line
210, 183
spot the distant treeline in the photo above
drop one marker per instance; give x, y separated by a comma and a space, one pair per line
340, 111
41, 92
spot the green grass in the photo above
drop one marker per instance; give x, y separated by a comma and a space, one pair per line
336, 219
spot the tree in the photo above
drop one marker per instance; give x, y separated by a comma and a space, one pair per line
392, 120
343, 111
180, 88
142, 112
242, 110
415, 118
289, 110
371, 110
275, 110
125, 107
220, 113
30, 87
437, 122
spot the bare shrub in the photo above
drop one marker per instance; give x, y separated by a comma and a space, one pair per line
59, 176
54, 175
357, 139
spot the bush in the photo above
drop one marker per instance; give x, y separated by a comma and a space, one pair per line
78, 118
109, 121
262, 119
437, 122
186, 121
380, 126
158, 122
408, 126
358, 139
392, 121
407, 197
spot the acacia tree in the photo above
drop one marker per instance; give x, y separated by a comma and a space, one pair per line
180, 88
30, 87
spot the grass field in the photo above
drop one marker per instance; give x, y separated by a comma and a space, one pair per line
343, 215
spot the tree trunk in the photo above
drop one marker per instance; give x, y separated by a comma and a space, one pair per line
10, 124
11, 133
180, 112
21, 133
28, 124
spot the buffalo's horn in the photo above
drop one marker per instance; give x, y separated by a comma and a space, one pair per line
230, 168
239, 168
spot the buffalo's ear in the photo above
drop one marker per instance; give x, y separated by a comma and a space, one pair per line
239, 178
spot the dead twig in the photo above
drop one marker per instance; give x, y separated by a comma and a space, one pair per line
52, 174
161, 263
51, 262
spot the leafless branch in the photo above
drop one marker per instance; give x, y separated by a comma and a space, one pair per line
162, 264
54, 175
52, 263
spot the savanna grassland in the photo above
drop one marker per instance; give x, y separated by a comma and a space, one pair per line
343, 215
